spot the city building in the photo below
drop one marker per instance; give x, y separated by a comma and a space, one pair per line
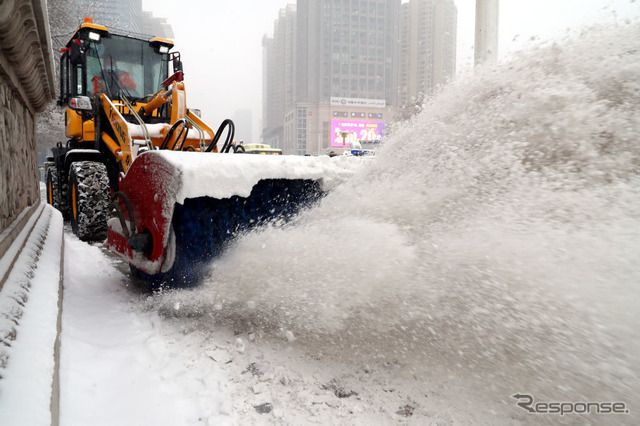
127, 16
278, 76
428, 48
338, 71
158, 27
347, 48
346, 80
124, 15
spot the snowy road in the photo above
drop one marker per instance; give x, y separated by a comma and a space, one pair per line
121, 365
124, 364
490, 249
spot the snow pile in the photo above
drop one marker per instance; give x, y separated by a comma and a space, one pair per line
225, 175
492, 243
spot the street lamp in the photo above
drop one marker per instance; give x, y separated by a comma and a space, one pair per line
344, 137
486, 44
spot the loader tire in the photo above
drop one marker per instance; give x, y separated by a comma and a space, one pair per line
55, 191
89, 200
52, 187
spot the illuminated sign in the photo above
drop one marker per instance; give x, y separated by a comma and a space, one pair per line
345, 131
359, 102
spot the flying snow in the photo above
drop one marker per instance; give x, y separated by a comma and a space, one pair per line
494, 238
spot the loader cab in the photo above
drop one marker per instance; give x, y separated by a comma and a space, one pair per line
96, 61
122, 65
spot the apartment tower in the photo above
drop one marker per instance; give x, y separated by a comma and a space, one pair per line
428, 48
335, 71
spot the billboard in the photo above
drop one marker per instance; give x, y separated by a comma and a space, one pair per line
345, 131
360, 102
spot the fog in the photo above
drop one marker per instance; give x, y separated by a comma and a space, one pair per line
222, 52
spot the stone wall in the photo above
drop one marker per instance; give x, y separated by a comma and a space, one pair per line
26, 86
27, 226
19, 186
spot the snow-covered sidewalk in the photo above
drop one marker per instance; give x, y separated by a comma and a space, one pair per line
101, 359
118, 366
30, 293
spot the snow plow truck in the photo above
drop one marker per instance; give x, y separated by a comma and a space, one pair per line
143, 170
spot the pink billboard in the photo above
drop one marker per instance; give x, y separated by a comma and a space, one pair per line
345, 131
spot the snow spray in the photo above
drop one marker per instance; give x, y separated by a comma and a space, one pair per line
495, 236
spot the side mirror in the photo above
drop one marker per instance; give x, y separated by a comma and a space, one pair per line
78, 51
177, 63
75, 54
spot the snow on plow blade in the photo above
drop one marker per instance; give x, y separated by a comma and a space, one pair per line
176, 210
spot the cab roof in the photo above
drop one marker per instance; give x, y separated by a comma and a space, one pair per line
88, 24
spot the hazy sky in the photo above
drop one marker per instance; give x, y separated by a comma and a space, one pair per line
221, 41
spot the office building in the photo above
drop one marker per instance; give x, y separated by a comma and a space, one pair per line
337, 71
278, 76
124, 15
158, 27
127, 16
428, 48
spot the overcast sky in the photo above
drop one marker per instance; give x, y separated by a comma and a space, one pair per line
221, 41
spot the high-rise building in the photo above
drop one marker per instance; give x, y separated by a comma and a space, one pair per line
428, 48
158, 27
127, 16
329, 61
336, 71
279, 76
346, 78
347, 48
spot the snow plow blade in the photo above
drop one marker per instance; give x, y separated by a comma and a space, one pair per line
175, 211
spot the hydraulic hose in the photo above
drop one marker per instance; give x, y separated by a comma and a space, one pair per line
116, 207
165, 141
230, 133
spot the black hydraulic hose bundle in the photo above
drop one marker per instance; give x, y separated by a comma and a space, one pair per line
228, 141
182, 136
184, 130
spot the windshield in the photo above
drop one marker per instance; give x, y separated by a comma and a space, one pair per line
134, 63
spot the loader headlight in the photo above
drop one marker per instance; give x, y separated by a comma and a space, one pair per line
94, 36
80, 103
163, 49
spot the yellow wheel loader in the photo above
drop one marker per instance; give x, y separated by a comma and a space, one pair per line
143, 170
